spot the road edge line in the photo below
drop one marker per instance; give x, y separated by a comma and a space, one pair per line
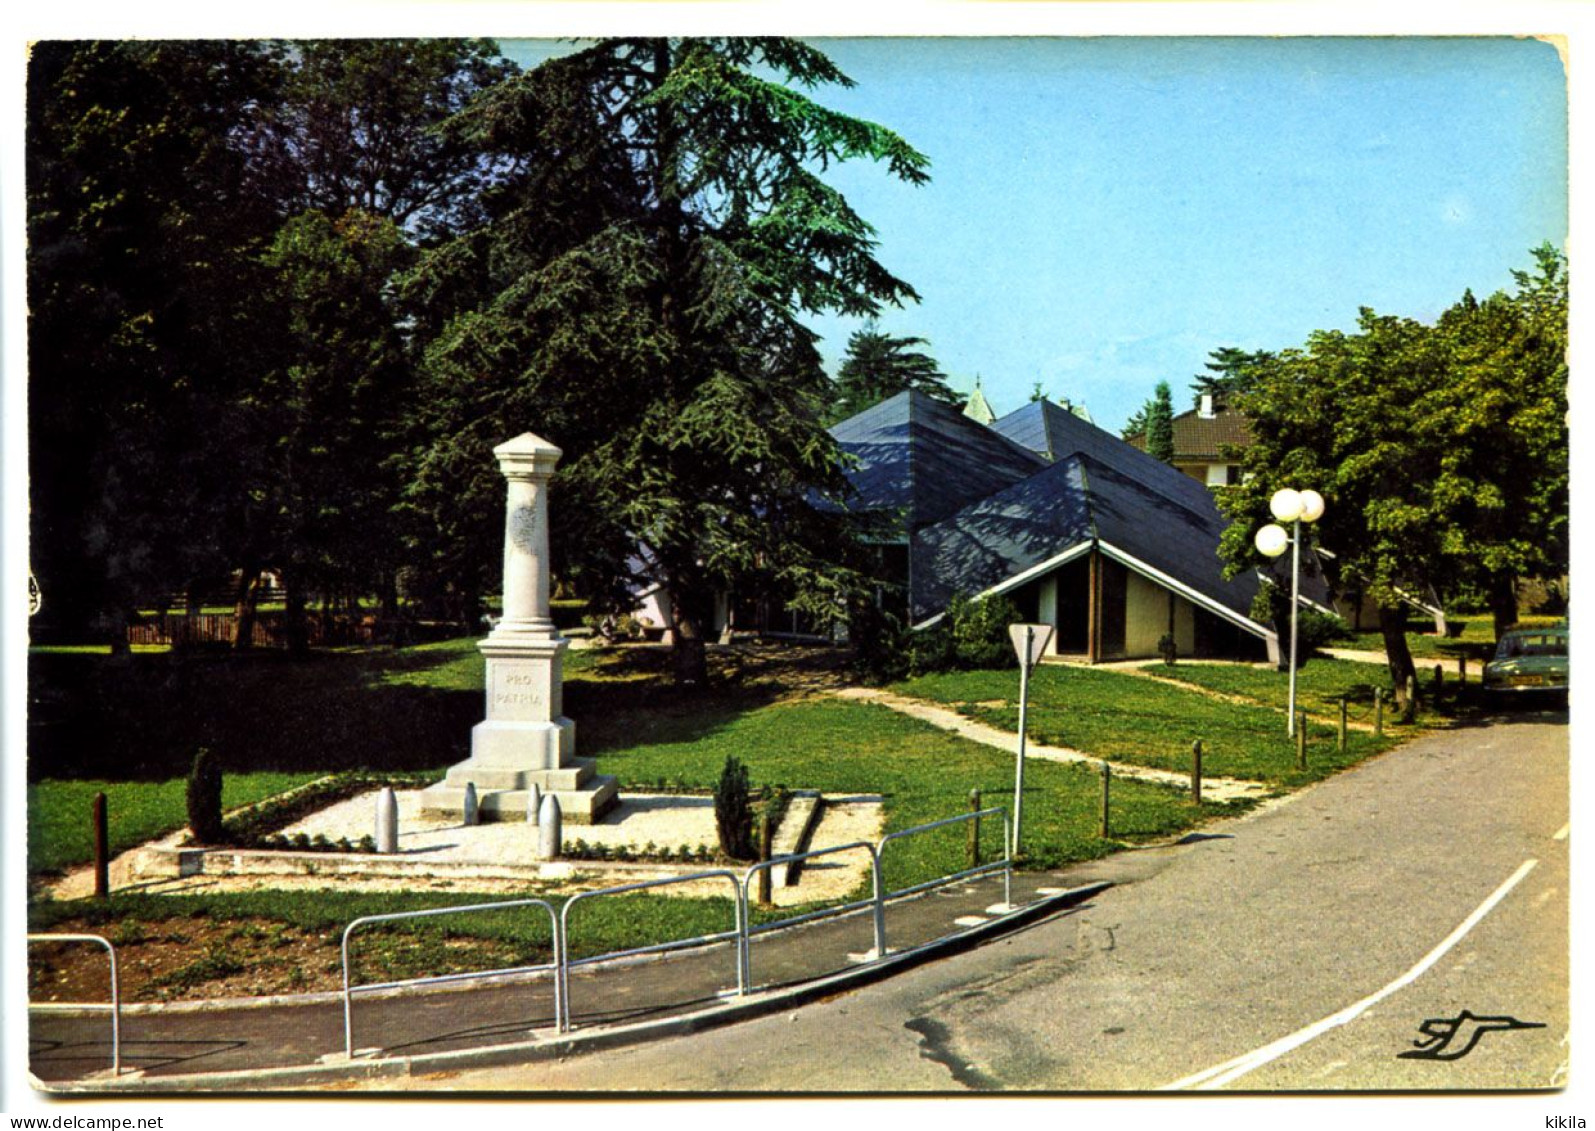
1221, 1074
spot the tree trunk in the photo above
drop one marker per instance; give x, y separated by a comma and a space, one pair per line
245, 600
1393, 626
183, 632
294, 628
1503, 601
121, 616
689, 656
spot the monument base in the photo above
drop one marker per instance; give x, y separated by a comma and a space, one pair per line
584, 796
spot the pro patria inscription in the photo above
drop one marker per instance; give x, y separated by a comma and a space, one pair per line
519, 692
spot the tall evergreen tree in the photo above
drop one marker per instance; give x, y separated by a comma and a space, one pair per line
143, 240
635, 299
1229, 372
880, 365
1160, 423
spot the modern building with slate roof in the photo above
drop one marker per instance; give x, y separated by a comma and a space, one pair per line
1113, 548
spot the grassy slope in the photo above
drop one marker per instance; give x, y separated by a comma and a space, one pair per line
1131, 719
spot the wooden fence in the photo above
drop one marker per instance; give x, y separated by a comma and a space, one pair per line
271, 630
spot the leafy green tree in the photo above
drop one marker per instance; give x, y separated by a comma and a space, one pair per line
1153, 424
1504, 480
1441, 451
357, 127
880, 365
354, 155
635, 298
330, 404
170, 444
1135, 426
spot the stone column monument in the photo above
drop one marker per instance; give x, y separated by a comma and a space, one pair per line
525, 739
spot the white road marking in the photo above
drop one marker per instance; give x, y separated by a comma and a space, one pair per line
1561, 834
1221, 1074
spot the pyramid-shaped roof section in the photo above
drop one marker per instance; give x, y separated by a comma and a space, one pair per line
1055, 433
925, 459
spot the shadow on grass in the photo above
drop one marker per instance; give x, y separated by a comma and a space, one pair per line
143, 718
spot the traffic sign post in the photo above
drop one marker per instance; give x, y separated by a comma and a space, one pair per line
1029, 644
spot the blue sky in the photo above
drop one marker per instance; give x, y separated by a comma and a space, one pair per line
1104, 212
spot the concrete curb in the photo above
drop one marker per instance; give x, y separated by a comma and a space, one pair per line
756, 1004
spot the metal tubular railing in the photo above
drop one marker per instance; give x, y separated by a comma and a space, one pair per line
738, 936
115, 1005
349, 991
1005, 864
875, 901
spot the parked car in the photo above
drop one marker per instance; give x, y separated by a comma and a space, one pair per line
1529, 660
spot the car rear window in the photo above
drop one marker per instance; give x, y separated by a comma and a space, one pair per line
1531, 646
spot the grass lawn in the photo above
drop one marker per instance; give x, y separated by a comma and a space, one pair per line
1477, 641
1319, 684
250, 935
131, 729
1126, 718
61, 834
922, 774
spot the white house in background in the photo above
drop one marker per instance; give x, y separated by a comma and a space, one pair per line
1205, 439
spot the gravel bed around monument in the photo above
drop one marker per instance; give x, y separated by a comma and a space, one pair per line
497, 857
666, 820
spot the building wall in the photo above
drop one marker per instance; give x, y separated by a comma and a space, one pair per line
1212, 474
1146, 618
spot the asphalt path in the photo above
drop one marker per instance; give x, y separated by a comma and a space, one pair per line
1304, 947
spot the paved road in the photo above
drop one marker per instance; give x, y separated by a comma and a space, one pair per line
1297, 949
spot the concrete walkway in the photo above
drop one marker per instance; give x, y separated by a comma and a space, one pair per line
1213, 788
1354, 655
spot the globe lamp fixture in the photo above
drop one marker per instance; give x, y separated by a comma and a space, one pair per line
1293, 507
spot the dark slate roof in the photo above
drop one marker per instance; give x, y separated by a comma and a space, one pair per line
925, 459
1073, 501
997, 537
1030, 427
1064, 434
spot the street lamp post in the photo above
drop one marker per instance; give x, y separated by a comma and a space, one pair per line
1294, 507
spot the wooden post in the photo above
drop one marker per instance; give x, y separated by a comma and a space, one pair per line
974, 829
1301, 741
1439, 680
1342, 724
1378, 712
1107, 777
102, 848
1462, 669
1093, 622
1412, 698
1196, 772
764, 855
